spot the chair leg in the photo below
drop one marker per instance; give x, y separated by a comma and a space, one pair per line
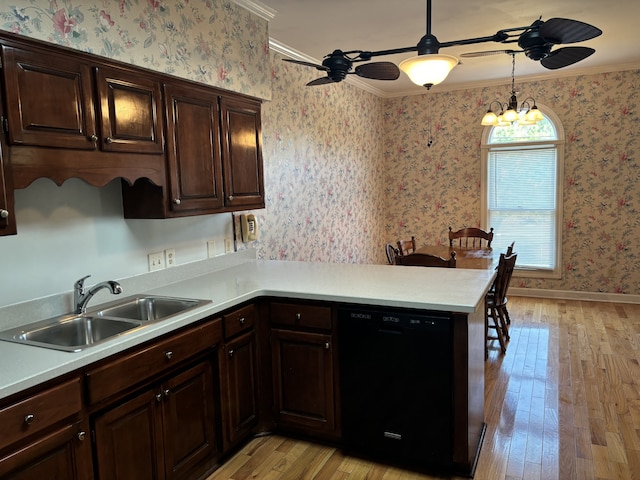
504, 321
497, 325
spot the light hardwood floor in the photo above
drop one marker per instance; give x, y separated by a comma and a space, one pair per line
563, 403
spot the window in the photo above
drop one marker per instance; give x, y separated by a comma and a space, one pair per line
522, 193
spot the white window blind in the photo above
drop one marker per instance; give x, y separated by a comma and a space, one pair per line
521, 201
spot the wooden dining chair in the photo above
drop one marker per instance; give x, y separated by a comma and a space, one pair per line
495, 304
405, 247
392, 253
426, 260
471, 237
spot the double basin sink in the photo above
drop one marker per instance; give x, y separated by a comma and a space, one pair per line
75, 332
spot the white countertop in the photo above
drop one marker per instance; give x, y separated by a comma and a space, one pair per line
445, 289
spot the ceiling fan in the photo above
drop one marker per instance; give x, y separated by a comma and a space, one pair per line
338, 65
535, 40
538, 39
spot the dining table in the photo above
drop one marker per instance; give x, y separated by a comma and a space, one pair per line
475, 258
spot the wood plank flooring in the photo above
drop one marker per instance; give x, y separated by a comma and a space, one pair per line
563, 403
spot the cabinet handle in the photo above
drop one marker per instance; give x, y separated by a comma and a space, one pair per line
177, 201
231, 352
108, 140
298, 316
82, 435
93, 138
242, 320
4, 213
230, 198
327, 346
28, 419
167, 392
158, 397
168, 355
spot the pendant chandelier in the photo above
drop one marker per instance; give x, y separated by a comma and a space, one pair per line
526, 114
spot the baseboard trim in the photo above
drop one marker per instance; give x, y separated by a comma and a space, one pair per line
571, 295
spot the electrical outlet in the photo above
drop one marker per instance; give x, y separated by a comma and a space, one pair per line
156, 261
211, 248
228, 245
170, 257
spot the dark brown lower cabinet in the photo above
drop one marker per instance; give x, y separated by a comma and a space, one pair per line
238, 388
64, 453
165, 432
303, 381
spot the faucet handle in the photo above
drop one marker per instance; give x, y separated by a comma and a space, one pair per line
79, 285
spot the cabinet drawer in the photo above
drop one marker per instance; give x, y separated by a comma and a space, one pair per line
143, 364
298, 315
239, 320
39, 411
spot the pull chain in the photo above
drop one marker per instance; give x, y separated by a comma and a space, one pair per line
430, 138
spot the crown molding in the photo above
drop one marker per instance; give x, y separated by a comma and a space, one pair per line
259, 8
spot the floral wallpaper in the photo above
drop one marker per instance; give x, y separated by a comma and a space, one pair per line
346, 172
215, 42
323, 168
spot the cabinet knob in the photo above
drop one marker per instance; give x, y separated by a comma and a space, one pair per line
93, 138
242, 320
168, 355
177, 201
4, 213
298, 316
82, 435
230, 198
28, 419
167, 392
158, 397
327, 346
108, 140
231, 352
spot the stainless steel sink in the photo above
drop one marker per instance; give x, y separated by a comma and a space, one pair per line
70, 333
75, 332
149, 308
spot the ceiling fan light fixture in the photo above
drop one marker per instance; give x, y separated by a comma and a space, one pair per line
428, 70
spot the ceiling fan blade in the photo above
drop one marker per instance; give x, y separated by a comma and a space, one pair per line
306, 64
378, 71
566, 56
488, 52
563, 30
320, 81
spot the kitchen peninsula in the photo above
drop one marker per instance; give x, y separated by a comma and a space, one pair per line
296, 305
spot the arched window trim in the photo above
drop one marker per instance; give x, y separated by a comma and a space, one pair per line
559, 143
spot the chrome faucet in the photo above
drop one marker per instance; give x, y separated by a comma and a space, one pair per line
82, 297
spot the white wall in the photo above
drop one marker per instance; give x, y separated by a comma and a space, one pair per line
67, 232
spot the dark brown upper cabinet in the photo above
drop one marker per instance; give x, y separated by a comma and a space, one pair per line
242, 153
49, 100
193, 154
180, 147
7, 202
130, 111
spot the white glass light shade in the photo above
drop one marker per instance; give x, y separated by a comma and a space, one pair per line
489, 118
510, 115
430, 69
502, 122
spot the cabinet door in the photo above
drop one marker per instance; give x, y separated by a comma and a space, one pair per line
130, 111
238, 388
128, 439
193, 142
303, 380
242, 153
7, 202
64, 454
49, 100
189, 428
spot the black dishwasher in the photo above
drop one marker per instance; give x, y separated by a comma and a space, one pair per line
396, 384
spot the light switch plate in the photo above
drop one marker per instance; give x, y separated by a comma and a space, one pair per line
156, 261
